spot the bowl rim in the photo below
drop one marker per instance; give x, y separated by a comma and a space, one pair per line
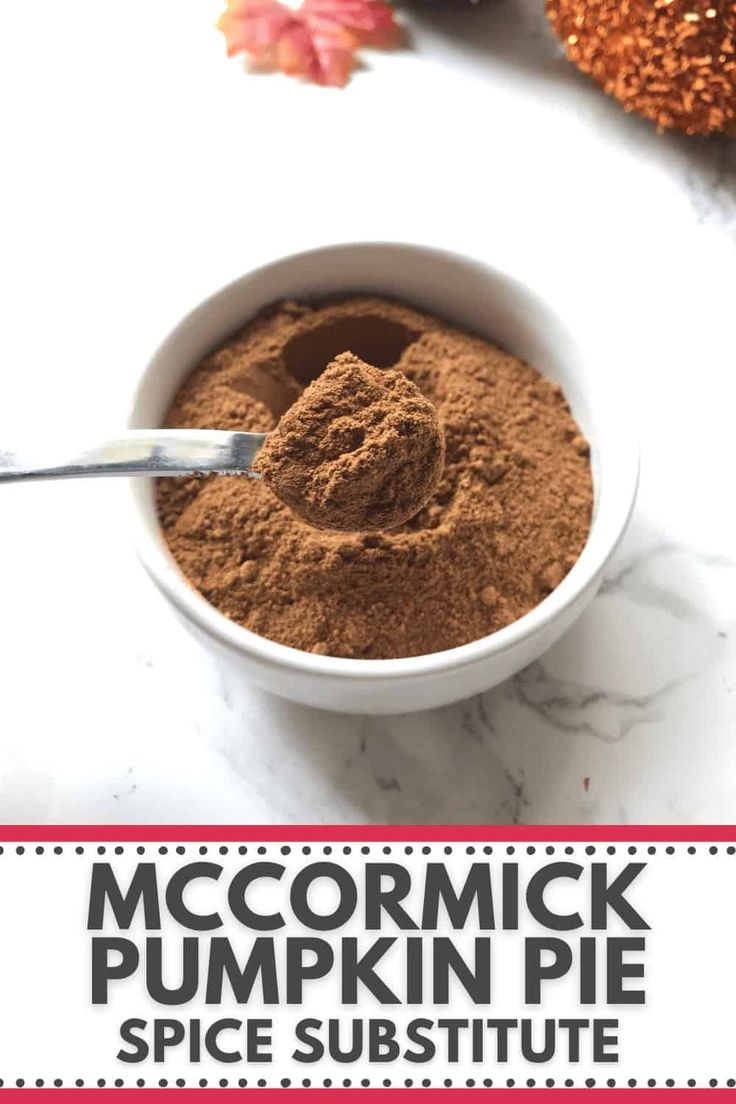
607, 528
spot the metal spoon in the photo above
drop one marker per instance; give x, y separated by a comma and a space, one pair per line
140, 452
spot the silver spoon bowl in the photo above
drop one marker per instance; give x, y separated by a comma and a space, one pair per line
153, 452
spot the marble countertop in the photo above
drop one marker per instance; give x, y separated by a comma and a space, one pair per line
142, 171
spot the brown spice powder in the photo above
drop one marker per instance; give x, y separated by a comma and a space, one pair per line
361, 449
508, 519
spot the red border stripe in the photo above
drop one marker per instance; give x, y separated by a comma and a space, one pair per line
379, 1096
366, 833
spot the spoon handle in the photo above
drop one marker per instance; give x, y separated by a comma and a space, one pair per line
140, 452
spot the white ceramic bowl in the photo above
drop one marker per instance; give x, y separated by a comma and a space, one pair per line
474, 296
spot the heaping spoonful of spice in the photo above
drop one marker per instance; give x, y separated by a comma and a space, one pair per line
360, 449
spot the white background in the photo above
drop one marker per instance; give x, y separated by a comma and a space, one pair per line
140, 171
683, 1032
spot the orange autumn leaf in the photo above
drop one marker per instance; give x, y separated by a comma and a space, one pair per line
324, 55
359, 15
372, 21
253, 26
316, 41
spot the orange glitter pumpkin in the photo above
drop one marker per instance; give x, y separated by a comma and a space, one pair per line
672, 61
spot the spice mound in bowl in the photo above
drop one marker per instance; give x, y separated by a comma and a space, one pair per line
361, 449
505, 523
